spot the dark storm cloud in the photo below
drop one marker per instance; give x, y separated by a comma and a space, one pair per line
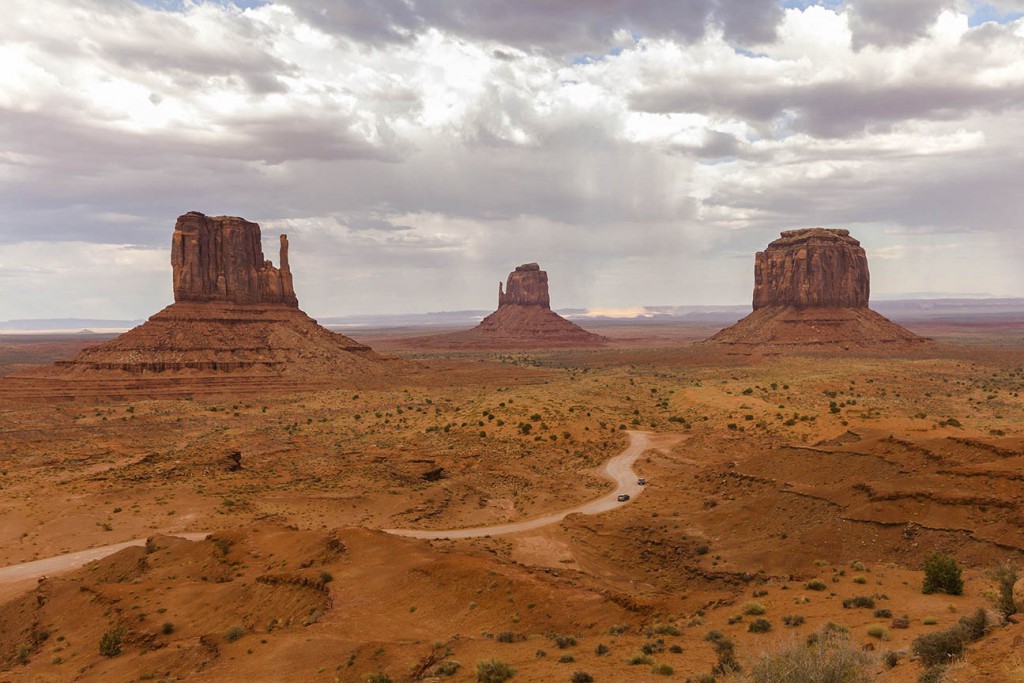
558, 26
831, 110
892, 22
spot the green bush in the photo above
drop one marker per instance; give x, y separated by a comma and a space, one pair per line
878, 631
753, 608
942, 575
942, 646
759, 626
234, 633
726, 652
111, 641
662, 670
859, 601
378, 678
564, 642
581, 677
815, 585
1005, 576
493, 671
640, 658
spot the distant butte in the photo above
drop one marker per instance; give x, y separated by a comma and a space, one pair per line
234, 313
811, 288
523, 320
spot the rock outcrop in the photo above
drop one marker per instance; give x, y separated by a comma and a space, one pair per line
221, 259
524, 320
235, 314
814, 268
527, 285
811, 289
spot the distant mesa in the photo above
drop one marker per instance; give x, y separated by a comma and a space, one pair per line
524, 320
234, 312
811, 288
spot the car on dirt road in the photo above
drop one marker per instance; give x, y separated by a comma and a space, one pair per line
623, 497
641, 481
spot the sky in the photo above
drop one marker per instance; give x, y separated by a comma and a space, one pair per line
416, 151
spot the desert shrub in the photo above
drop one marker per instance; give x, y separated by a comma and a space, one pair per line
378, 678
891, 658
653, 647
942, 575
449, 668
726, 652
929, 621
640, 658
1005, 576
859, 601
581, 677
566, 659
675, 649
753, 608
234, 633
878, 631
564, 642
900, 622
941, 646
883, 613
933, 674
617, 629
167, 629
510, 637
601, 650
662, 669
831, 657
664, 630
111, 641
815, 585
793, 620
493, 671
759, 626
860, 579
976, 624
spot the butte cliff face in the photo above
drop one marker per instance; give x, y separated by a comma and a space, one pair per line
811, 288
527, 285
812, 268
235, 317
524, 320
221, 259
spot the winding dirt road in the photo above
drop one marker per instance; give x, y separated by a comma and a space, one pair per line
619, 469
68, 561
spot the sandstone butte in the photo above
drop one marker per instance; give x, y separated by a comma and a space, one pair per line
234, 313
811, 289
524, 319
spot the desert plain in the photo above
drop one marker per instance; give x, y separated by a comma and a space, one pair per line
779, 487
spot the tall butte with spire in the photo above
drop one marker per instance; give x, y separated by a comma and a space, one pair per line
524, 319
811, 288
234, 314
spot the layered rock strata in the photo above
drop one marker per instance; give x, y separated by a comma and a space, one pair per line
811, 288
234, 312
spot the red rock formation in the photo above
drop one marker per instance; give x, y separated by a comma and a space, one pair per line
221, 259
812, 268
527, 285
811, 289
524, 319
234, 312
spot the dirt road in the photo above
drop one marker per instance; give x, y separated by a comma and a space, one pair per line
619, 469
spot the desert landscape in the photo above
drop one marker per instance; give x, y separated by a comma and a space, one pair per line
748, 406
205, 498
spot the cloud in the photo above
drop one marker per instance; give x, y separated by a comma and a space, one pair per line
556, 26
417, 151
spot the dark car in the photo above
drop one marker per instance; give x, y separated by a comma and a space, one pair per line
641, 481
623, 497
